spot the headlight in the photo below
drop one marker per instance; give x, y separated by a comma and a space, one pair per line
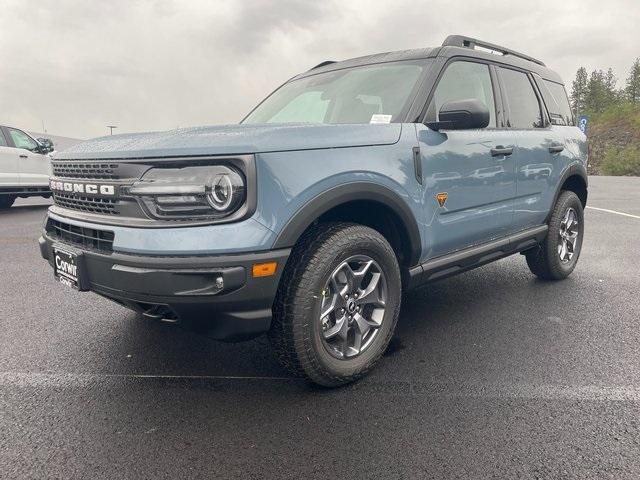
196, 192
220, 195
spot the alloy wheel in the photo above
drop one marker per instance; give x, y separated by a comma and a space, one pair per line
568, 236
353, 305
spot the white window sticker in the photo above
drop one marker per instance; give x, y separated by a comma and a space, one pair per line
380, 118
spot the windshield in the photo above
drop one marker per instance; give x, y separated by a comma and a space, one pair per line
368, 94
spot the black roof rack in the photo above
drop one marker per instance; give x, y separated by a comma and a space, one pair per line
468, 42
322, 64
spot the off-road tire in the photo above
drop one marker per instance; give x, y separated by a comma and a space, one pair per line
544, 261
295, 332
6, 201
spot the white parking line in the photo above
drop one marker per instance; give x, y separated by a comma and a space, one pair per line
613, 211
516, 390
35, 377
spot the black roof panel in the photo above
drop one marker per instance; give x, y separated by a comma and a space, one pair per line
508, 57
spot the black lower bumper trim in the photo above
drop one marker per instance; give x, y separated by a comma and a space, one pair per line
216, 293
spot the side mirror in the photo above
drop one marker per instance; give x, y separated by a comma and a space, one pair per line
46, 145
462, 115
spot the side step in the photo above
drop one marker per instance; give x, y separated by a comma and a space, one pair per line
476, 256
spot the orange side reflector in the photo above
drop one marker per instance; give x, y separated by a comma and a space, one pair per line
264, 269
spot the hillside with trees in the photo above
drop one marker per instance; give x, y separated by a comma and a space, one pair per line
614, 119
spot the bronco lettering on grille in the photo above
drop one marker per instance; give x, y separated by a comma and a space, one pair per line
86, 188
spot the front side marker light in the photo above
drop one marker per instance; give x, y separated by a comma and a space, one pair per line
264, 269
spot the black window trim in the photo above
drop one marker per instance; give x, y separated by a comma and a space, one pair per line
497, 96
546, 122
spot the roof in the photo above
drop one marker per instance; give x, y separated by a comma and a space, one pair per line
454, 45
371, 59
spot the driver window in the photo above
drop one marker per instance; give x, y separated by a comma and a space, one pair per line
22, 140
463, 81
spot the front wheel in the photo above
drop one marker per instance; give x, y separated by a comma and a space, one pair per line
557, 256
337, 305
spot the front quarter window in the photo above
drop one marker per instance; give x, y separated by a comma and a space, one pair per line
352, 95
460, 81
22, 140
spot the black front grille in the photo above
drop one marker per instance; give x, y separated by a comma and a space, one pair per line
103, 206
87, 238
93, 171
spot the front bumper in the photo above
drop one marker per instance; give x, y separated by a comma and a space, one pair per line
187, 288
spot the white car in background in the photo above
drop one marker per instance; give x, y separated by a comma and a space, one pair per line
25, 166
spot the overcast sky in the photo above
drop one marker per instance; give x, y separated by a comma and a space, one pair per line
79, 65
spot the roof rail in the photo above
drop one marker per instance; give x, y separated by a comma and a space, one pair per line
468, 42
322, 64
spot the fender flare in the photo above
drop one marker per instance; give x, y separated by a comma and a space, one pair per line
575, 169
349, 192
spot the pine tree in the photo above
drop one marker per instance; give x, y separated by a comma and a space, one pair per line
579, 91
598, 95
610, 81
632, 89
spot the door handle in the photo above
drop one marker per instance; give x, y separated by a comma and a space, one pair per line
22, 155
556, 148
500, 151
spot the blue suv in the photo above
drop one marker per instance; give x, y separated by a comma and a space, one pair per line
351, 183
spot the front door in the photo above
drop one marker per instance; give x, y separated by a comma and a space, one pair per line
34, 167
469, 175
8, 163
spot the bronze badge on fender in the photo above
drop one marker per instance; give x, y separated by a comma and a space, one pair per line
442, 198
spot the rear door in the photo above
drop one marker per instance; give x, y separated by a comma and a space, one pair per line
473, 169
565, 142
8, 163
536, 166
34, 167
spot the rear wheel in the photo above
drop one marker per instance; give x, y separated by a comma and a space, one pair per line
338, 303
558, 255
6, 201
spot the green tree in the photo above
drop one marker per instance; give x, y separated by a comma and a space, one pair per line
579, 91
601, 91
632, 88
610, 82
596, 98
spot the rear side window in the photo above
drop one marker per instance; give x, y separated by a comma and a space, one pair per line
3, 141
557, 102
522, 102
463, 81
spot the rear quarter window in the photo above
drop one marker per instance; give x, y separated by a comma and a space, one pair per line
557, 102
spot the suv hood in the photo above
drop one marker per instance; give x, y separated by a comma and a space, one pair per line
233, 139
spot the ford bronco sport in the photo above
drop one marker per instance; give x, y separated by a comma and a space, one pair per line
351, 183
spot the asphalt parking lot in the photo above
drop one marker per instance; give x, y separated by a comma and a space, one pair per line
491, 374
